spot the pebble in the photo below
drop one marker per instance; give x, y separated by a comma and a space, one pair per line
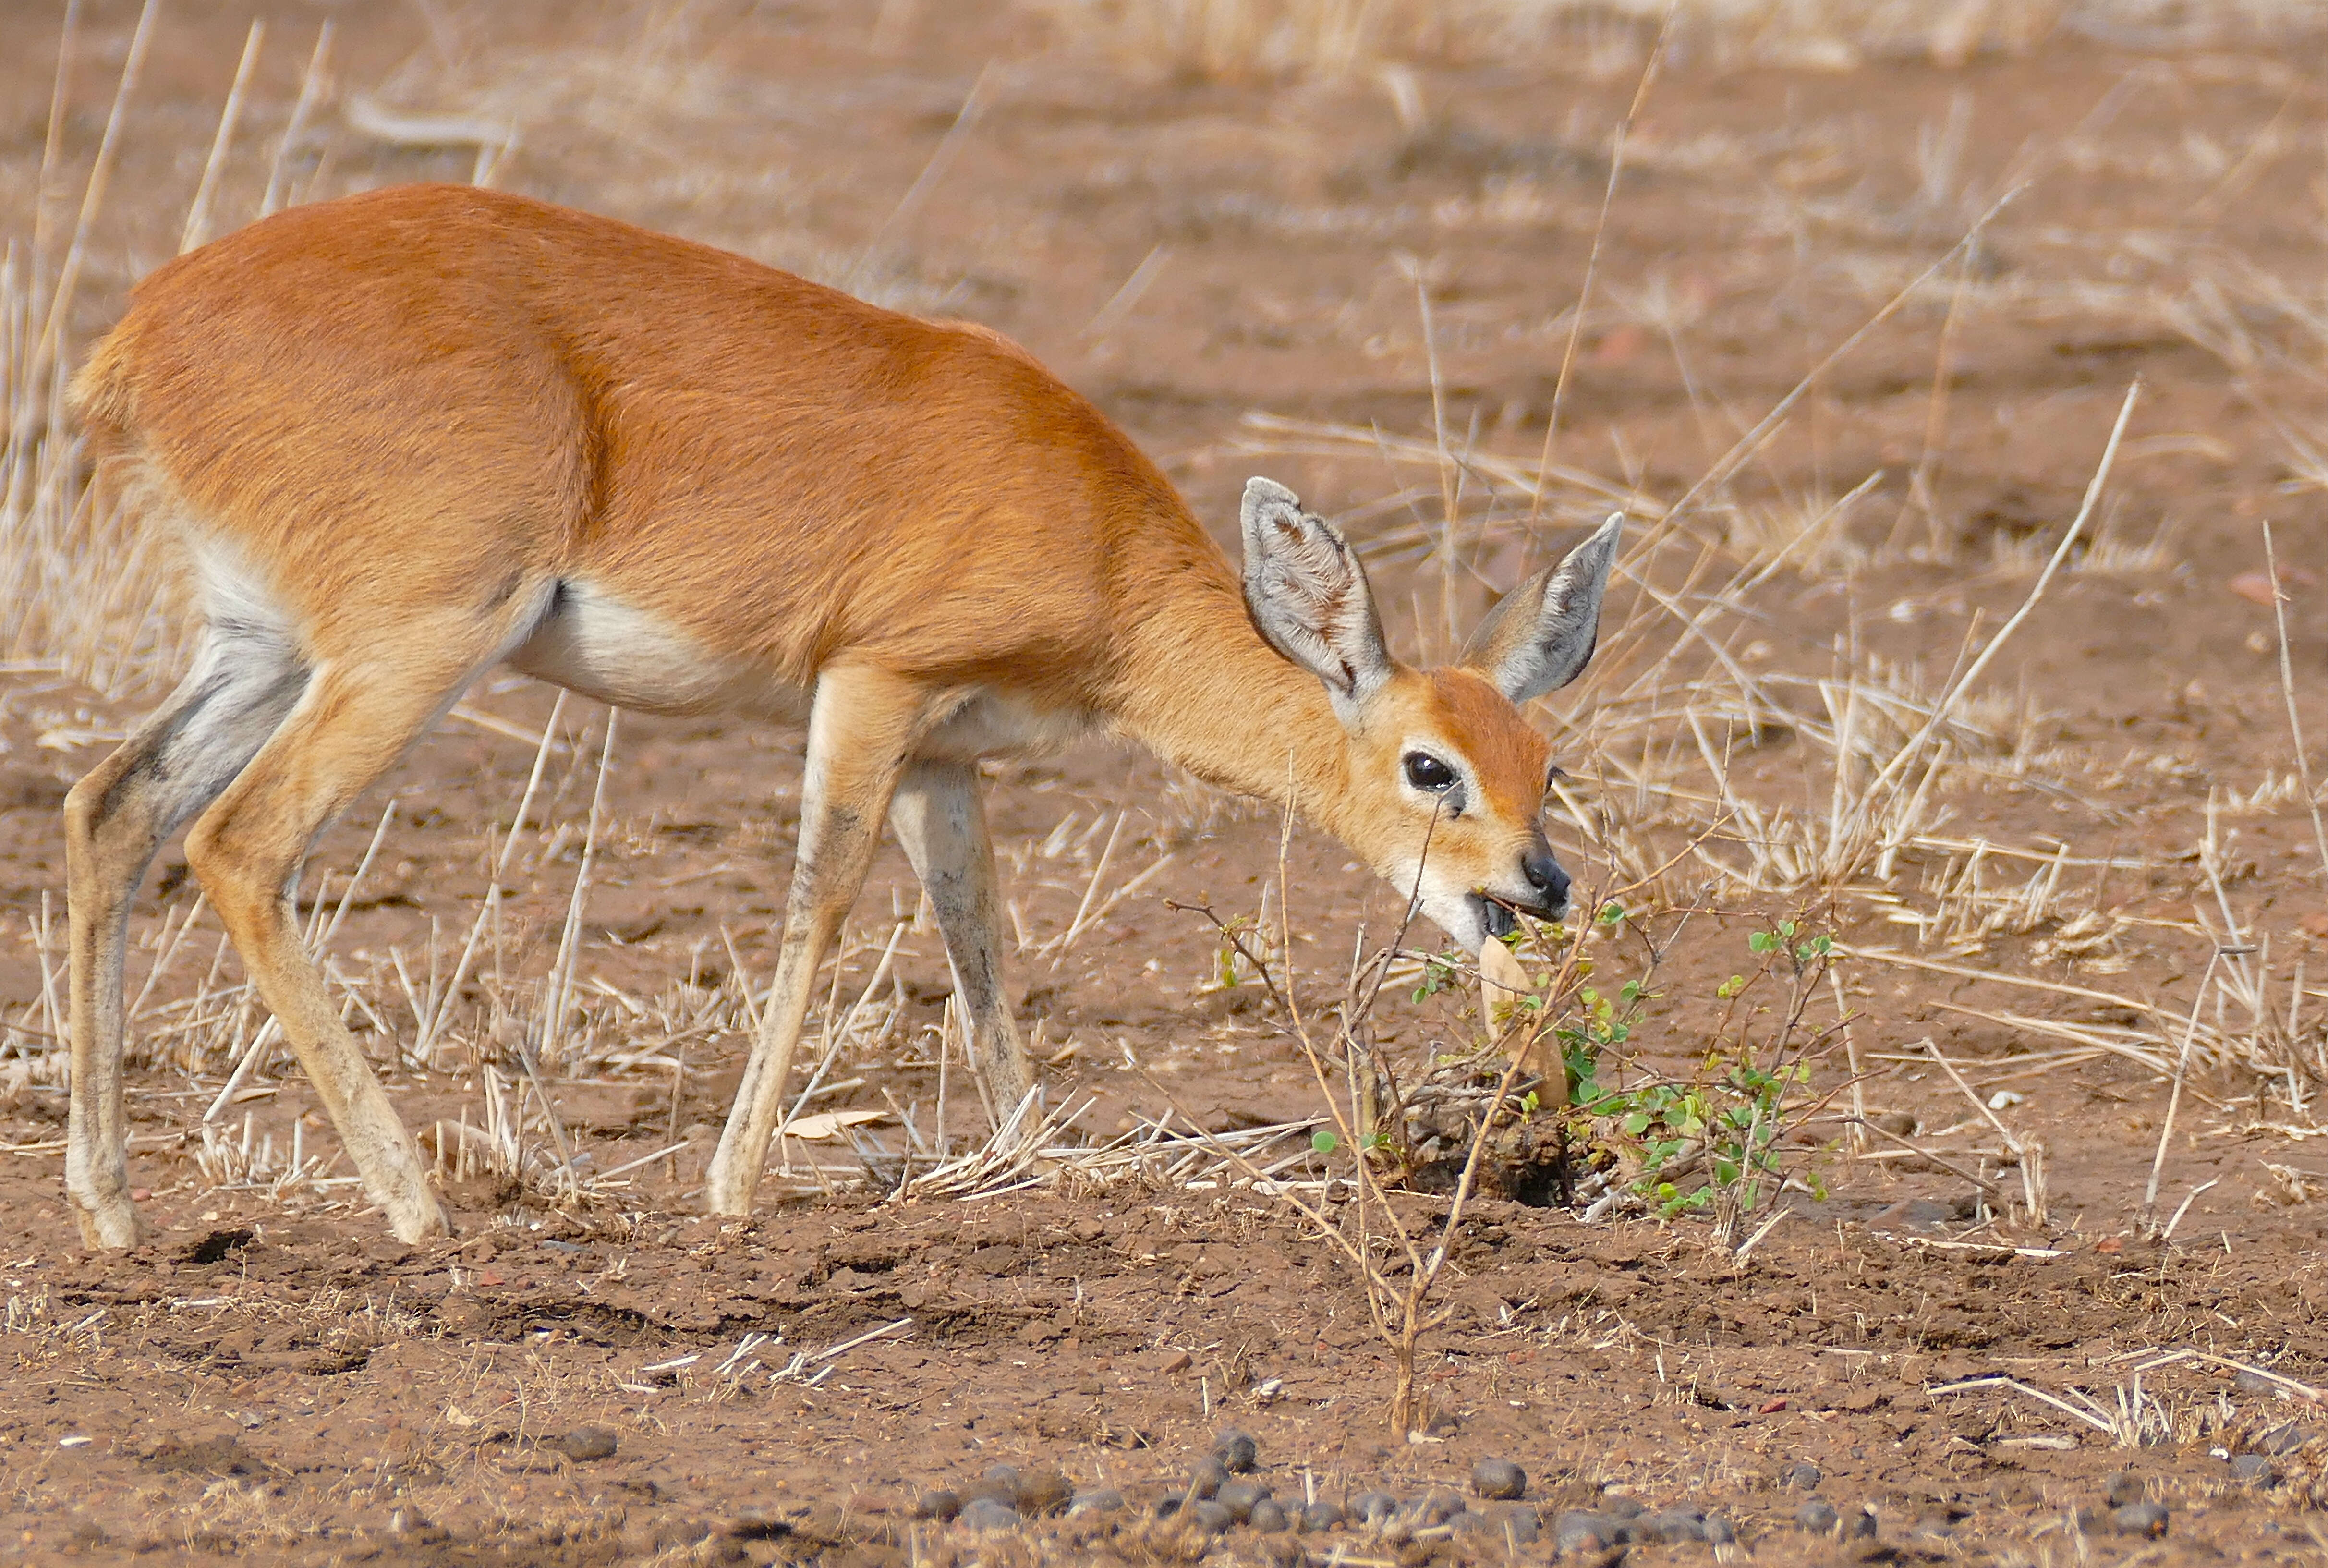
587, 1443
1498, 1478
2123, 1487
1859, 1526
1044, 1492
1106, 1500
1622, 1506
1267, 1517
2254, 1467
1674, 1526
1515, 1527
938, 1505
1321, 1514
2147, 1519
1211, 1518
1206, 1479
1003, 1476
1803, 1475
1373, 1506
1239, 1497
987, 1514
1720, 1531
1236, 1452
2281, 1439
1580, 1530
1438, 1507
2257, 1383
1817, 1515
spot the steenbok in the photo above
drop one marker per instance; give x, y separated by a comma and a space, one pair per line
410, 436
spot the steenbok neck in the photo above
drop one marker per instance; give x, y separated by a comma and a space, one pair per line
1202, 689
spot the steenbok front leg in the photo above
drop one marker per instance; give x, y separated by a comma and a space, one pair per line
861, 727
356, 718
116, 818
942, 823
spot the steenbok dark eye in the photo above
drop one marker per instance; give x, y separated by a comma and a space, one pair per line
1426, 772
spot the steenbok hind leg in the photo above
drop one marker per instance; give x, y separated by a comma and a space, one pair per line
351, 723
942, 823
116, 818
860, 728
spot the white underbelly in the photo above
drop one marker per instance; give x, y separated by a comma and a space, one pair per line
594, 643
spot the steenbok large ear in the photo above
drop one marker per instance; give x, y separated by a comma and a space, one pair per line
1541, 637
1308, 596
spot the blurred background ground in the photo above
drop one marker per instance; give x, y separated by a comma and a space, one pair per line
1347, 246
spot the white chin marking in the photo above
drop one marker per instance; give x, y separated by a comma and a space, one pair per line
1458, 917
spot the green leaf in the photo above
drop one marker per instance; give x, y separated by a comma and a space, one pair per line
1324, 1142
1760, 941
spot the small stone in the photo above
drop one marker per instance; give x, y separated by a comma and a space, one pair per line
938, 1505
1267, 1517
1499, 1479
1006, 1476
1859, 1526
1237, 1452
1515, 1527
987, 1514
1580, 1530
1321, 1514
2147, 1519
2281, 1439
1239, 1497
1204, 1479
1620, 1506
1044, 1492
1674, 1526
1106, 1500
1372, 1507
1211, 1518
1817, 1515
2256, 1468
586, 1443
1719, 1530
2122, 1488
1438, 1507
1802, 1475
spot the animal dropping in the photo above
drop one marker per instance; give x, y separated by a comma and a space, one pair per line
413, 435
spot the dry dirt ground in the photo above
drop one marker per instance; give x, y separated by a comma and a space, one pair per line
2115, 872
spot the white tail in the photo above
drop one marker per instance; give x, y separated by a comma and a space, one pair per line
412, 435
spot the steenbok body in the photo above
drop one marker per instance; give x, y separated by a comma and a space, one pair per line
409, 436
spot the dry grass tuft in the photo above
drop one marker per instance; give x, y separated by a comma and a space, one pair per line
1262, 40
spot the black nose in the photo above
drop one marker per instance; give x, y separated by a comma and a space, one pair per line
1544, 874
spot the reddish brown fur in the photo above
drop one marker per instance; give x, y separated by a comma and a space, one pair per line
422, 414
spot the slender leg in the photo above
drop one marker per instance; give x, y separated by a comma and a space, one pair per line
941, 822
861, 727
355, 720
116, 818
